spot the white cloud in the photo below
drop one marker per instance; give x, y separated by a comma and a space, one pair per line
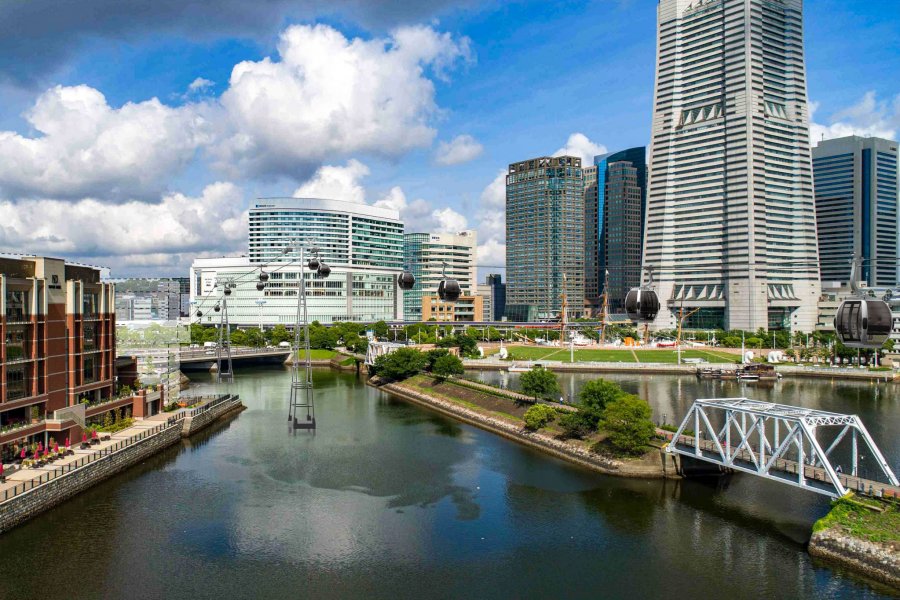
460, 149
578, 144
132, 233
868, 117
448, 220
329, 96
494, 195
336, 183
88, 148
200, 84
419, 216
492, 222
492, 254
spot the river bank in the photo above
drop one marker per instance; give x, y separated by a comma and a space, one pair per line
494, 416
28, 492
862, 536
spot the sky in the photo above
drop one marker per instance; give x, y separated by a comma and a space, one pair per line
134, 134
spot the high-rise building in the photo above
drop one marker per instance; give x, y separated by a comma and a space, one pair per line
346, 233
628, 179
856, 184
623, 218
545, 236
593, 241
57, 349
431, 256
362, 244
731, 230
493, 290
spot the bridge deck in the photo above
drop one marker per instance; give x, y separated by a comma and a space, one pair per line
786, 470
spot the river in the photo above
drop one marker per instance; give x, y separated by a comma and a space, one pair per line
388, 500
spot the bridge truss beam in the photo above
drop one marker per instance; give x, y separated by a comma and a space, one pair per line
788, 444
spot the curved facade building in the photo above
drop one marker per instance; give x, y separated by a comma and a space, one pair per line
362, 244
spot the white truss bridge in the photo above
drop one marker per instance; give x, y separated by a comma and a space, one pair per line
788, 444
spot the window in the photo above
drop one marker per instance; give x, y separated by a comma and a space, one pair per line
15, 382
89, 371
16, 346
16, 305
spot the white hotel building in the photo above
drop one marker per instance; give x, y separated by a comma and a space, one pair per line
362, 244
731, 226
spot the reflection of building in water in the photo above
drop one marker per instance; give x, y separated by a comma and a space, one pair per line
155, 346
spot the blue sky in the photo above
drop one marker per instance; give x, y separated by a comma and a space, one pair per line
516, 79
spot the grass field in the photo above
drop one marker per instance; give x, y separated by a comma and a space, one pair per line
317, 354
618, 355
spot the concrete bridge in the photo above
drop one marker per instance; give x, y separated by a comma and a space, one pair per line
204, 359
788, 444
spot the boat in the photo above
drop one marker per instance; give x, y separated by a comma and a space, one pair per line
744, 376
712, 373
519, 369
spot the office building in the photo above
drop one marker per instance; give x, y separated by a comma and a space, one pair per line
545, 249
465, 309
57, 348
730, 227
431, 257
624, 175
493, 291
593, 241
856, 185
362, 244
346, 233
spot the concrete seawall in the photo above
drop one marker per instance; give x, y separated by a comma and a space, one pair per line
870, 559
666, 467
28, 504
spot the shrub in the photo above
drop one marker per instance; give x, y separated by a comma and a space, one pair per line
627, 419
539, 415
433, 355
575, 425
540, 383
399, 364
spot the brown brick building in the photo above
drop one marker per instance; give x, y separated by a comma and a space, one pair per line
57, 349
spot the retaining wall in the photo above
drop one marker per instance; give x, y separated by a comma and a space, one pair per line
873, 560
194, 423
665, 468
33, 502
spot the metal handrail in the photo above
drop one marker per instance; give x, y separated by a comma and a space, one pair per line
50, 475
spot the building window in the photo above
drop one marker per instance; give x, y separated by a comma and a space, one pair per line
15, 383
16, 305
90, 370
16, 345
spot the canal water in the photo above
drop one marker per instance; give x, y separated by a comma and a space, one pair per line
387, 500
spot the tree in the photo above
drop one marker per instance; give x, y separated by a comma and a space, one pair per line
575, 425
468, 346
381, 330
255, 337
540, 383
354, 343
278, 334
239, 337
322, 337
399, 364
537, 416
627, 419
594, 398
447, 366
433, 355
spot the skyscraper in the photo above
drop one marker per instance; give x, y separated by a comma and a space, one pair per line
731, 227
628, 183
593, 224
545, 236
425, 255
856, 183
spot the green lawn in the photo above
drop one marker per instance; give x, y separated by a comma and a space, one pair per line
618, 355
851, 516
317, 354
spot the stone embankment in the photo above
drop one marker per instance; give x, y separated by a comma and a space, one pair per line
52, 486
879, 562
663, 466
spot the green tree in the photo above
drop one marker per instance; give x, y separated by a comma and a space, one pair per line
575, 425
447, 366
322, 337
399, 364
381, 330
627, 420
537, 416
433, 355
239, 337
540, 383
593, 398
278, 334
468, 346
255, 337
355, 343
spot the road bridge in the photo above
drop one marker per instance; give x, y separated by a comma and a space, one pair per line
203, 359
788, 444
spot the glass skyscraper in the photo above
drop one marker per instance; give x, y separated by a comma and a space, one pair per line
425, 255
545, 237
731, 225
856, 183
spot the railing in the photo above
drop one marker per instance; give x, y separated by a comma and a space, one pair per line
50, 475
217, 400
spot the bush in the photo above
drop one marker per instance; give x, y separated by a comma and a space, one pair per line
400, 364
540, 383
433, 355
539, 415
447, 366
575, 425
627, 419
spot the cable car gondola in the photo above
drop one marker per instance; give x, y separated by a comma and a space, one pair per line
642, 305
449, 290
863, 322
260, 286
406, 280
323, 271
